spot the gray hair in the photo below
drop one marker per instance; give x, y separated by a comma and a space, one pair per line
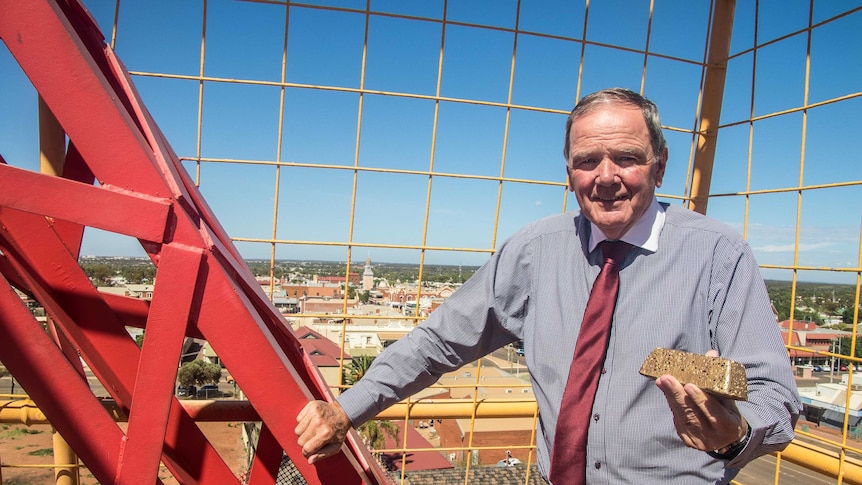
623, 96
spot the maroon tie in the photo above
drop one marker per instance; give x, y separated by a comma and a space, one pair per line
568, 461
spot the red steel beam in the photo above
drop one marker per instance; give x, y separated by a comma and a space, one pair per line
163, 343
24, 349
45, 43
216, 297
83, 204
75, 305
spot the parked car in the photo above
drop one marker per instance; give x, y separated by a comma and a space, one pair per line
186, 391
520, 351
208, 391
817, 368
843, 368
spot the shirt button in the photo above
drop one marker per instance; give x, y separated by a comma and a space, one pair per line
598, 465
604, 371
596, 417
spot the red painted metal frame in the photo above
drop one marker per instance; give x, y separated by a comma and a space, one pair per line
203, 290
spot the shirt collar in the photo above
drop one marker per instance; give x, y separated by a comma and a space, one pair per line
644, 234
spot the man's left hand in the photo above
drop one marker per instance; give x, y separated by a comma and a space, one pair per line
703, 421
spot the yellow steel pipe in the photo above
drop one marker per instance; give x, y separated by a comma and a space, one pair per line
52, 157
25, 411
823, 461
815, 458
460, 409
713, 93
21, 411
65, 462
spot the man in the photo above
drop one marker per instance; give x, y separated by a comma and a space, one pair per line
687, 283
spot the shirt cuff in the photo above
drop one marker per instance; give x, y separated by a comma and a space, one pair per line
358, 405
734, 449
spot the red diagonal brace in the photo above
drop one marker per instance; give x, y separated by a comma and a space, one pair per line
83, 204
43, 371
157, 371
73, 303
55, 41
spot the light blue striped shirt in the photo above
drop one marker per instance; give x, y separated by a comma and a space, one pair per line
700, 289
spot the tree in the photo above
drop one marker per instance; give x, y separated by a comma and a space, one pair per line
357, 368
372, 432
364, 296
99, 273
198, 373
847, 315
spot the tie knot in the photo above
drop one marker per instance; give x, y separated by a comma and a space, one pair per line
614, 251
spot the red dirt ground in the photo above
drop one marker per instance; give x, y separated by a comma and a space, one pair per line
22, 445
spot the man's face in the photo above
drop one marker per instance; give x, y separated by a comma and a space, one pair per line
612, 169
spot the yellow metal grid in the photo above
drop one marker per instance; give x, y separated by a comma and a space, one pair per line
826, 456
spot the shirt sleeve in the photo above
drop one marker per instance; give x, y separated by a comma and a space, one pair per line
486, 313
745, 330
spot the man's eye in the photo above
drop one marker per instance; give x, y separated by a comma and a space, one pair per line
586, 162
626, 160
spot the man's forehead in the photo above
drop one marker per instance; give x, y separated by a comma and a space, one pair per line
610, 122
612, 110
621, 149
612, 135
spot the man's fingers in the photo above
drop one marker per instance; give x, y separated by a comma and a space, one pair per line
324, 452
301, 415
684, 412
673, 391
715, 408
321, 429
304, 419
703, 421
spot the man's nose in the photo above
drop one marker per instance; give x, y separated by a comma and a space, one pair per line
607, 171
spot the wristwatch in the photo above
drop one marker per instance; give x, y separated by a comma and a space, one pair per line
730, 451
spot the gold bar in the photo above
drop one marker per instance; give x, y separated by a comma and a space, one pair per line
713, 374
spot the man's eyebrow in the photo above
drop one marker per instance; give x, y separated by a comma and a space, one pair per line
634, 151
583, 154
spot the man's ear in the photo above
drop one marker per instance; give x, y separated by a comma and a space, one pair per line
569, 178
661, 165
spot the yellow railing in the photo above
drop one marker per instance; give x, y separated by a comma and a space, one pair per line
697, 159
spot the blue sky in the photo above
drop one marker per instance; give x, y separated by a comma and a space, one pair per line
244, 40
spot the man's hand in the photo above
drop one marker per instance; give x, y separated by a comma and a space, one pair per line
703, 421
321, 430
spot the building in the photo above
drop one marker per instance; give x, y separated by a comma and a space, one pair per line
810, 336
353, 279
286, 305
368, 276
825, 403
361, 338
144, 292
504, 434
412, 461
324, 353
312, 290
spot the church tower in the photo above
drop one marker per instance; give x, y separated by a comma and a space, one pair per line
368, 276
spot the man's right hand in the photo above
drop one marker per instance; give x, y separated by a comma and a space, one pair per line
321, 430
